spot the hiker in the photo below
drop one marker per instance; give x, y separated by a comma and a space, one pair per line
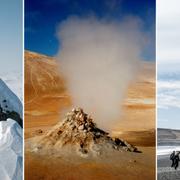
1, 109
172, 158
176, 160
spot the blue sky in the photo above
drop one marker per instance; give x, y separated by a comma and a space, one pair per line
11, 36
43, 17
168, 63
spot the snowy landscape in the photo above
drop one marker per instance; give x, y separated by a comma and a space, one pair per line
11, 133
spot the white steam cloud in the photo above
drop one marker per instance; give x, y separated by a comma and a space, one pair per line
99, 59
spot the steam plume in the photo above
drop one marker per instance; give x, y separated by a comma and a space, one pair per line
99, 59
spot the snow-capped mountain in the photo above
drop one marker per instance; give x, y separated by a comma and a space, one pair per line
11, 115
14, 81
8, 100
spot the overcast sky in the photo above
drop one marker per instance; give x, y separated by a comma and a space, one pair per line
10, 36
168, 63
168, 31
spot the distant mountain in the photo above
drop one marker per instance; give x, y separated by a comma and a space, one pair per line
168, 137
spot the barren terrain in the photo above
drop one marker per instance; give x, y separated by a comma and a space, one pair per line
45, 101
128, 166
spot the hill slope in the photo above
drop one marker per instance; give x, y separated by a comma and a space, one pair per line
168, 137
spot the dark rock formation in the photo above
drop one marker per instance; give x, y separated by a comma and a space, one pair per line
4, 115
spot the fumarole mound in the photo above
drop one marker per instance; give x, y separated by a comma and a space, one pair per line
78, 132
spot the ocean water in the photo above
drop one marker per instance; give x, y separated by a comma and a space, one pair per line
165, 150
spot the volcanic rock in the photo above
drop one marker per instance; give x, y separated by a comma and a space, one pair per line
79, 131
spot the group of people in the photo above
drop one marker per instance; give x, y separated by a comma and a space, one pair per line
174, 157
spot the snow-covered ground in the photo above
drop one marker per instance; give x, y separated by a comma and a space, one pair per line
165, 150
10, 150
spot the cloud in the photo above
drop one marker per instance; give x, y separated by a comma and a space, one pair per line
168, 94
169, 85
168, 32
168, 54
162, 120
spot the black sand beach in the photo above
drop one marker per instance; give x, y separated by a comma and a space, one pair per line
167, 137
164, 170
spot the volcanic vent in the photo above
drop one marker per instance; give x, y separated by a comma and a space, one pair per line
78, 132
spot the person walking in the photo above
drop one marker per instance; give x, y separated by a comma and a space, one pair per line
172, 158
176, 160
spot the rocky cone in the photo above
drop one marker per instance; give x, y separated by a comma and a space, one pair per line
79, 130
